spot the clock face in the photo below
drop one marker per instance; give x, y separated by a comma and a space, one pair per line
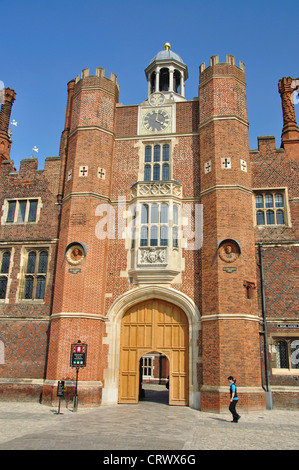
156, 99
156, 120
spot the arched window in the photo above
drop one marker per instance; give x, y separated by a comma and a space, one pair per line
3, 287
154, 227
144, 214
144, 236
29, 287
5, 262
175, 238
31, 262
153, 82
165, 153
270, 217
270, 208
148, 154
278, 200
154, 170
279, 217
260, 218
154, 214
164, 235
43, 262
156, 173
154, 235
35, 275
269, 200
147, 173
157, 153
175, 226
40, 287
165, 172
177, 81
164, 79
259, 201
164, 214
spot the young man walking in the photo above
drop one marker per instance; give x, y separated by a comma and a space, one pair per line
233, 399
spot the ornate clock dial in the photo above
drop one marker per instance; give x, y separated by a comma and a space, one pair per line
156, 120
156, 99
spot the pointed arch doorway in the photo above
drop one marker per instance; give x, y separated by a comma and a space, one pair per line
154, 325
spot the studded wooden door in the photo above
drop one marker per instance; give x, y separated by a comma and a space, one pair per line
154, 325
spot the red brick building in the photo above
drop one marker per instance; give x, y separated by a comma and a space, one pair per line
156, 232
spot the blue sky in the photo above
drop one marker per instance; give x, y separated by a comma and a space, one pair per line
44, 44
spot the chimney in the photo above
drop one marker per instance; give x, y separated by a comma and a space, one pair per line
5, 112
290, 132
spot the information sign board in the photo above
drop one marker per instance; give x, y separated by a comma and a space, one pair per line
78, 355
60, 388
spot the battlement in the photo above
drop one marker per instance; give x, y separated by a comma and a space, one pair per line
29, 166
100, 73
228, 67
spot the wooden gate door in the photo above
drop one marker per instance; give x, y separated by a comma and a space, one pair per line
154, 325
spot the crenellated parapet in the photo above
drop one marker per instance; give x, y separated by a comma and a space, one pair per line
215, 68
222, 90
28, 172
98, 78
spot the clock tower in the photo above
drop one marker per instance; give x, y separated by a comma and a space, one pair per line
166, 75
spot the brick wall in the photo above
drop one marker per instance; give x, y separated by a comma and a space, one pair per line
24, 324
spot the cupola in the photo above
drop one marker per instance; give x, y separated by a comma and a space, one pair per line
167, 74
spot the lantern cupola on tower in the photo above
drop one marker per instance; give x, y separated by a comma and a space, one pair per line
167, 74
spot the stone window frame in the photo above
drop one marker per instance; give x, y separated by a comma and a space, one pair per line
146, 358
15, 220
287, 338
173, 224
264, 192
5, 274
24, 274
155, 164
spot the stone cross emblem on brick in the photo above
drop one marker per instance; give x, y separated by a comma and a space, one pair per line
83, 171
101, 173
226, 163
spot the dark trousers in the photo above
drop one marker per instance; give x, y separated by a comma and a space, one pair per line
232, 409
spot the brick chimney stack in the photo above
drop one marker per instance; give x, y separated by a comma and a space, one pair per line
5, 112
290, 132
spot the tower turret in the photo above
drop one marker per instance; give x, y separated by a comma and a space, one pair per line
230, 324
87, 148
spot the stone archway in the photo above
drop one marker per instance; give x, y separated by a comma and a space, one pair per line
113, 328
159, 326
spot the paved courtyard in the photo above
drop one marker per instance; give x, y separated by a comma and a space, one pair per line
148, 426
